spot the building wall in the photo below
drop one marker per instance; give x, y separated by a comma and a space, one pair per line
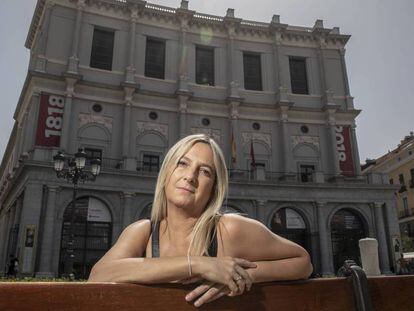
123, 129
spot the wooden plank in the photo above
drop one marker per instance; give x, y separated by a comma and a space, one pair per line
335, 294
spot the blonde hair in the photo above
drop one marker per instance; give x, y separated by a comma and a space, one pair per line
207, 223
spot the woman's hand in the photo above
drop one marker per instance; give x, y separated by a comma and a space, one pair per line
227, 271
209, 291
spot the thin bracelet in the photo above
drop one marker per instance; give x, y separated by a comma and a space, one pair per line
189, 265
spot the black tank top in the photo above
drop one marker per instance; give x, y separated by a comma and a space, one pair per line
155, 245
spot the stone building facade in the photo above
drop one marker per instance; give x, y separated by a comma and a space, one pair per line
126, 79
398, 165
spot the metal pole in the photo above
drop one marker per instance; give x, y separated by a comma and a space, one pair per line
71, 242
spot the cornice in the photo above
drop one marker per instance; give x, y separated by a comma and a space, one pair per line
316, 36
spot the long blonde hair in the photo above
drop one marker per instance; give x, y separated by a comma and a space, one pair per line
207, 223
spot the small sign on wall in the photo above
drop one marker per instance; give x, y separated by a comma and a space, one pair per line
29, 239
49, 124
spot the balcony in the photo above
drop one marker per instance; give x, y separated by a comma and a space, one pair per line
403, 188
406, 213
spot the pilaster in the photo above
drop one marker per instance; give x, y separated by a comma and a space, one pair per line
324, 240
73, 60
382, 239
47, 248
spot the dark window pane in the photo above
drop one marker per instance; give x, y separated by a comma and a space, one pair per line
155, 58
92, 154
150, 163
306, 173
298, 77
205, 66
102, 49
252, 72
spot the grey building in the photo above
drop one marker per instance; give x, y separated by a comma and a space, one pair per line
126, 79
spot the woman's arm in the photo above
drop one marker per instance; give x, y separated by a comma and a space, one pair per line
124, 263
276, 258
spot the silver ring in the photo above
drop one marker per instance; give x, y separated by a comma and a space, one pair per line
238, 278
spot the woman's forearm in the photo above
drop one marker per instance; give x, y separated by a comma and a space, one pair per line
295, 268
141, 270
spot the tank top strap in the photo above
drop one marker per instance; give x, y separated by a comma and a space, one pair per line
155, 245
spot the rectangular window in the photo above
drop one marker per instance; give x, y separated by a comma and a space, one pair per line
401, 179
298, 76
252, 72
205, 66
306, 172
412, 174
155, 59
405, 205
391, 181
92, 154
102, 49
150, 163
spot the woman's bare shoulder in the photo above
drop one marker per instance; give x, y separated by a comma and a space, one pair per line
236, 225
132, 242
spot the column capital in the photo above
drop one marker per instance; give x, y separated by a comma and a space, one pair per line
125, 195
320, 204
261, 203
81, 5
53, 188
377, 204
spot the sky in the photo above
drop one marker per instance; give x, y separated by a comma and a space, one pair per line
379, 57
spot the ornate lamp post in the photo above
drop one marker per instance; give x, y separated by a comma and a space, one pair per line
74, 174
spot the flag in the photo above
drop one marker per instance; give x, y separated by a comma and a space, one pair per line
233, 148
252, 160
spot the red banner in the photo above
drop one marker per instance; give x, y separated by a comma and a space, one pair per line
49, 125
344, 149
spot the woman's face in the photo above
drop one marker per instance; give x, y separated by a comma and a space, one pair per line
191, 182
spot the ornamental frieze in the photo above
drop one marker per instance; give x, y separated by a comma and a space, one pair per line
85, 118
265, 138
148, 126
215, 134
312, 140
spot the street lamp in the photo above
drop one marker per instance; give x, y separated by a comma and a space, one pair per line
74, 174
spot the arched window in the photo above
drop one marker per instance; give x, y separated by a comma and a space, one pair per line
347, 229
289, 224
92, 227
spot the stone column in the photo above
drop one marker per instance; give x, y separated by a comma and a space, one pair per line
21, 137
4, 238
382, 239
324, 241
32, 204
40, 49
73, 61
127, 209
130, 69
261, 211
277, 30
30, 132
184, 15
128, 135
182, 99
71, 80
349, 98
355, 152
231, 24
234, 131
45, 261
285, 138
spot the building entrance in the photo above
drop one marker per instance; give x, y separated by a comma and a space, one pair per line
346, 230
93, 231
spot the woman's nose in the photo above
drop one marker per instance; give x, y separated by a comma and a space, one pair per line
190, 175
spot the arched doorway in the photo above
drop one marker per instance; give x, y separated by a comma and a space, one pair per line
92, 230
289, 224
347, 228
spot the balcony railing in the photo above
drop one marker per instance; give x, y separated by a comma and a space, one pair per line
406, 213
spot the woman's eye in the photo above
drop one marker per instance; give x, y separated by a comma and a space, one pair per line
205, 172
181, 163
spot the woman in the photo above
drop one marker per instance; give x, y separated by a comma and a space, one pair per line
188, 240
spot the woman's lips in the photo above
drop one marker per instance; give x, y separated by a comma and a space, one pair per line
186, 190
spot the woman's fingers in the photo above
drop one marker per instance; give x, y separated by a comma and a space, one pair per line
210, 295
245, 263
245, 276
199, 290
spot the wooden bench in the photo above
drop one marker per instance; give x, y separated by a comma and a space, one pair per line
387, 293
